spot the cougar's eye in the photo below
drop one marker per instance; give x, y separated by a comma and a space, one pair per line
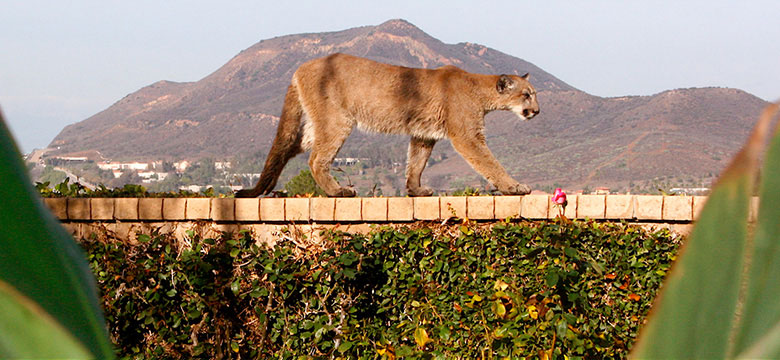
526, 95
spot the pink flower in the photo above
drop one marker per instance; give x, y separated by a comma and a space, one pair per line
559, 197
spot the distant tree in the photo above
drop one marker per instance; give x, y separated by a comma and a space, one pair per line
170, 184
51, 175
167, 166
303, 184
128, 177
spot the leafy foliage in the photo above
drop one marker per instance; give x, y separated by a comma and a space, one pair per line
467, 191
303, 184
461, 291
66, 189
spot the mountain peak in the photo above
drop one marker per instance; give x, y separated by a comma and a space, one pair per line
397, 23
400, 27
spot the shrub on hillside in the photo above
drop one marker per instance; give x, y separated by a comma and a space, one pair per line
579, 289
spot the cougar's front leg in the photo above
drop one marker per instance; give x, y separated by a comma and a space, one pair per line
476, 152
419, 152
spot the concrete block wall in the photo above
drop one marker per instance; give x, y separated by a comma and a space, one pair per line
639, 208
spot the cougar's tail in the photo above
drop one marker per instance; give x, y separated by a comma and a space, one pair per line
286, 145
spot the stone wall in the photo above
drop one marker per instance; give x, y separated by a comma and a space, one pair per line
267, 217
386, 209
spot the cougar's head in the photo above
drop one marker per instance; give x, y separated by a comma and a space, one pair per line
517, 95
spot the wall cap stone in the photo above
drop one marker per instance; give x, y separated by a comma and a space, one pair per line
680, 209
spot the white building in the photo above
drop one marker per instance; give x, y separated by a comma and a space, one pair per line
152, 176
222, 165
124, 166
181, 166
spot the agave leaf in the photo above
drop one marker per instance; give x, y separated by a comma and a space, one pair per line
40, 337
758, 329
695, 314
41, 261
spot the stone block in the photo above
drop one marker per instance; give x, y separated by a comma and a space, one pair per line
126, 208
535, 207
480, 207
698, 205
374, 209
223, 209
272, 209
150, 208
322, 209
226, 228
174, 208
508, 205
591, 206
102, 208
247, 209
426, 208
74, 229
679, 208
400, 209
453, 206
348, 209
198, 209
58, 207
296, 209
78, 209
620, 207
648, 207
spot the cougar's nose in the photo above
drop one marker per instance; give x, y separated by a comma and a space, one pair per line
528, 113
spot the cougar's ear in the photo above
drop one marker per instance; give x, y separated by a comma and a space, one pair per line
525, 77
504, 84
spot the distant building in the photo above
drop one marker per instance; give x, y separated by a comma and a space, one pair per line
601, 191
222, 165
193, 188
124, 166
152, 176
690, 191
346, 161
73, 158
181, 166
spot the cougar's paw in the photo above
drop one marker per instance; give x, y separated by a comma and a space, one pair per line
420, 191
244, 193
345, 192
516, 189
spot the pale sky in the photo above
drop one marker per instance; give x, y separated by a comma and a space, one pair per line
63, 61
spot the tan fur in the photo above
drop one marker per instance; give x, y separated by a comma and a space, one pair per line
339, 92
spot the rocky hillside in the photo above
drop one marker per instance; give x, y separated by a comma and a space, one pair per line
577, 140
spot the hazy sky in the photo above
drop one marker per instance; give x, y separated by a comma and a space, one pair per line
63, 61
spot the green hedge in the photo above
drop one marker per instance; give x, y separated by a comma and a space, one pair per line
76, 190
513, 290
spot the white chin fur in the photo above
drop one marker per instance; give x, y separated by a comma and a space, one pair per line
519, 113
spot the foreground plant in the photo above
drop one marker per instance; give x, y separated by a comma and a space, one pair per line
48, 299
721, 299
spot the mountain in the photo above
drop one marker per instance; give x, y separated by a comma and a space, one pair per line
577, 140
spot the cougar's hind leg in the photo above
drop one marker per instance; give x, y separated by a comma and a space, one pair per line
419, 152
327, 143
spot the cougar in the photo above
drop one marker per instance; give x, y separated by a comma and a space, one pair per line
340, 91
